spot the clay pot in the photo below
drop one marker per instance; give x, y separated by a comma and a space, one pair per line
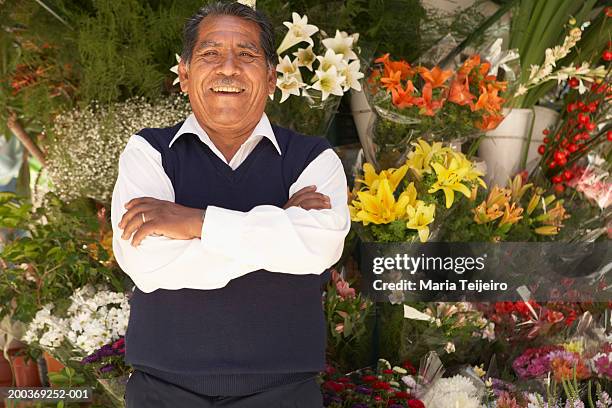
6, 374
53, 365
26, 373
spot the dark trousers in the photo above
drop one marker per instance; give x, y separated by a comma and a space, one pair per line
146, 391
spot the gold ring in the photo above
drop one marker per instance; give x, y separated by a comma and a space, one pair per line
143, 218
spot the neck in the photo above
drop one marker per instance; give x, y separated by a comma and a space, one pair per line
228, 141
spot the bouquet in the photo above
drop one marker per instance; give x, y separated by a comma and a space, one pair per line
433, 104
312, 78
431, 176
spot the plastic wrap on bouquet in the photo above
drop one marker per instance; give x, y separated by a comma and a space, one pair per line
115, 388
432, 103
308, 115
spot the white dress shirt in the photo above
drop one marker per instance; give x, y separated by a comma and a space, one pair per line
233, 243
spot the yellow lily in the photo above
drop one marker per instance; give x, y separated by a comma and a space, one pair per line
518, 188
449, 181
420, 217
420, 158
547, 230
512, 214
380, 208
372, 179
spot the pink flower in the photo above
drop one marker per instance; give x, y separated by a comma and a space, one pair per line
344, 290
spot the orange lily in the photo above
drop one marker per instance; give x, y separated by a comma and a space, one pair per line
489, 122
393, 66
460, 91
402, 98
392, 82
436, 76
469, 64
489, 100
426, 103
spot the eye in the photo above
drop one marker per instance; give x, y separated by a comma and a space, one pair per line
246, 54
209, 53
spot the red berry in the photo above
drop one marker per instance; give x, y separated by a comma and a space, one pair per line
590, 126
546, 140
558, 156
564, 143
557, 179
580, 104
559, 188
583, 119
572, 147
552, 165
609, 135
567, 175
608, 12
542, 148
562, 162
546, 131
573, 82
577, 137
571, 107
592, 107
607, 55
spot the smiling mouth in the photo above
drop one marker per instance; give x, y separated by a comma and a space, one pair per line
227, 90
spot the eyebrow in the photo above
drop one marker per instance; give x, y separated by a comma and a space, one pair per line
208, 43
249, 46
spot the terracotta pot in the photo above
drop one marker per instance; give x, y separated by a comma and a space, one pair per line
53, 365
6, 374
26, 373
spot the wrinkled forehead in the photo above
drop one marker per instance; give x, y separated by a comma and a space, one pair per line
226, 31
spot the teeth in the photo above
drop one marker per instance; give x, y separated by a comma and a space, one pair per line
226, 89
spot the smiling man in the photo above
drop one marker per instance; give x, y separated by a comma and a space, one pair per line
226, 224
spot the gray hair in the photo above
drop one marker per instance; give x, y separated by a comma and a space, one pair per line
266, 37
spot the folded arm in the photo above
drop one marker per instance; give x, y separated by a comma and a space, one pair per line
233, 243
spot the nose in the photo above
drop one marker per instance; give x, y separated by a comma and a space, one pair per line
229, 65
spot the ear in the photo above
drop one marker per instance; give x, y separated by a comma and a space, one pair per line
183, 73
271, 80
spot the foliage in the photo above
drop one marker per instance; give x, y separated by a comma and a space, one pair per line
56, 252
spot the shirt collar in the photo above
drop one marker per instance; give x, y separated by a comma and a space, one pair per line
191, 125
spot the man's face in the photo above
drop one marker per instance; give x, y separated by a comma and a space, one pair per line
228, 79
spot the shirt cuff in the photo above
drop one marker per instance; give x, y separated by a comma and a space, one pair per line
222, 229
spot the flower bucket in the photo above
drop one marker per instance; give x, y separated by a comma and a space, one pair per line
53, 365
362, 115
502, 147
115, 388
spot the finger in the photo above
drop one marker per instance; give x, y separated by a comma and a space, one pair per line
311, 196
135, 212
147, 229
139, 200
304, 190
134, 224
315, 204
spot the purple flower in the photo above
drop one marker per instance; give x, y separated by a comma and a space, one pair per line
107, 368
363, 390
362, 405
92, 358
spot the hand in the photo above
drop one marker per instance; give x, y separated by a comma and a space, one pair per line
162, 218
308, 199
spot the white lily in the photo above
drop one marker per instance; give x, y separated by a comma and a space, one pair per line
249, 3
299, 31
289, 85
329, 82
341, 44
287, 67
331, 59
352, 76
305, 57
175, 69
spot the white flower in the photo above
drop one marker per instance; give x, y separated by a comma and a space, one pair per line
409, 381
489, 332
331, 59
450, 347
288, 68
305, 57
400, 370
352, 76
175, 69
329, 82
299, 31
249, 3
414, 314
456, 392
341, 44
288, 85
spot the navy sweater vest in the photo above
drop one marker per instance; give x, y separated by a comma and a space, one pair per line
263, 329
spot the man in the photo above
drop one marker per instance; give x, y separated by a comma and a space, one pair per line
225, 223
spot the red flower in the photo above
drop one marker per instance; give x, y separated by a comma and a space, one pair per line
387, 371
402, 394
332, 385
415, 403
409, 367
369, 378
381, 385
